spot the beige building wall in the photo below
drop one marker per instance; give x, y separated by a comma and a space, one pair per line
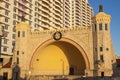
28, 49
103, 48
88, 49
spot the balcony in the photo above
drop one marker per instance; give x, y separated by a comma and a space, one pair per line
4, 5
2, 12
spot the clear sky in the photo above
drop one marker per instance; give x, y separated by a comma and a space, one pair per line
111, 7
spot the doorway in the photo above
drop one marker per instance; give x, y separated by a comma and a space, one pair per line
5, 76
71, 71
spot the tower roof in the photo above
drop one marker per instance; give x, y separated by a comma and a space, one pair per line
101, 8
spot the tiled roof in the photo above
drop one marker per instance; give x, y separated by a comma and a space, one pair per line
7, 65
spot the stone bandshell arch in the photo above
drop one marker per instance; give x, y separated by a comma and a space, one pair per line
66, 40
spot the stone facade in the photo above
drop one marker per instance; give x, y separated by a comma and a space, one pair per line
77, 51
85, 50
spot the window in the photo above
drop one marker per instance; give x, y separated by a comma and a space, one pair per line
14, 22
23, 34
15, 3
100, 26
13, 43
6, 19
17, 52
102, 58
107, 49
106, 27
15, 9
13, 36
5, 41
12, 49
6, 27
101, 48
14, 16
95, 49
5, 34
14, 29
6, 12
5, 49
30, 11
17, 60
18, 33
95, 27
7, 6
30, 6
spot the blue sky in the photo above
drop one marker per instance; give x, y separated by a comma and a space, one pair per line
113, 8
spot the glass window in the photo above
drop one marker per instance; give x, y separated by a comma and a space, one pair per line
7, 6
5, 34
14, 22
14, 29
100, 26
13, 36
102, 58
18, 33
6, 27
14, 16
95, 49
95, 27
23, 34
17, 52
30, 11
15, 9
13, 43
5, 41
6, 19
17, 60
6, 12
30, 6
107, 49
106, 27
101, 48
5, 49
12, 49
15, 3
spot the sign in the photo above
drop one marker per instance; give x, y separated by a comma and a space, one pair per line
57, 35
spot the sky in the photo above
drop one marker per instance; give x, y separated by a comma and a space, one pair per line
111, 7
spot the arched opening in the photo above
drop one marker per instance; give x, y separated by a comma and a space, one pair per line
58, 58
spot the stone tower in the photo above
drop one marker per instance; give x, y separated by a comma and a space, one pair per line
104, 58
22, 38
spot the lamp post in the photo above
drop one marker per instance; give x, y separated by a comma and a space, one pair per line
62, 66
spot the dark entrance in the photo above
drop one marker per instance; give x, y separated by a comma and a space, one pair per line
16, 73
71, 71
5, 76
102, 74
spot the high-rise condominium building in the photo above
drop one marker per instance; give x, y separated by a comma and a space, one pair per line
81, 13
42, 15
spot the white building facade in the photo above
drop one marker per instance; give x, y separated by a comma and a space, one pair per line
41, 15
